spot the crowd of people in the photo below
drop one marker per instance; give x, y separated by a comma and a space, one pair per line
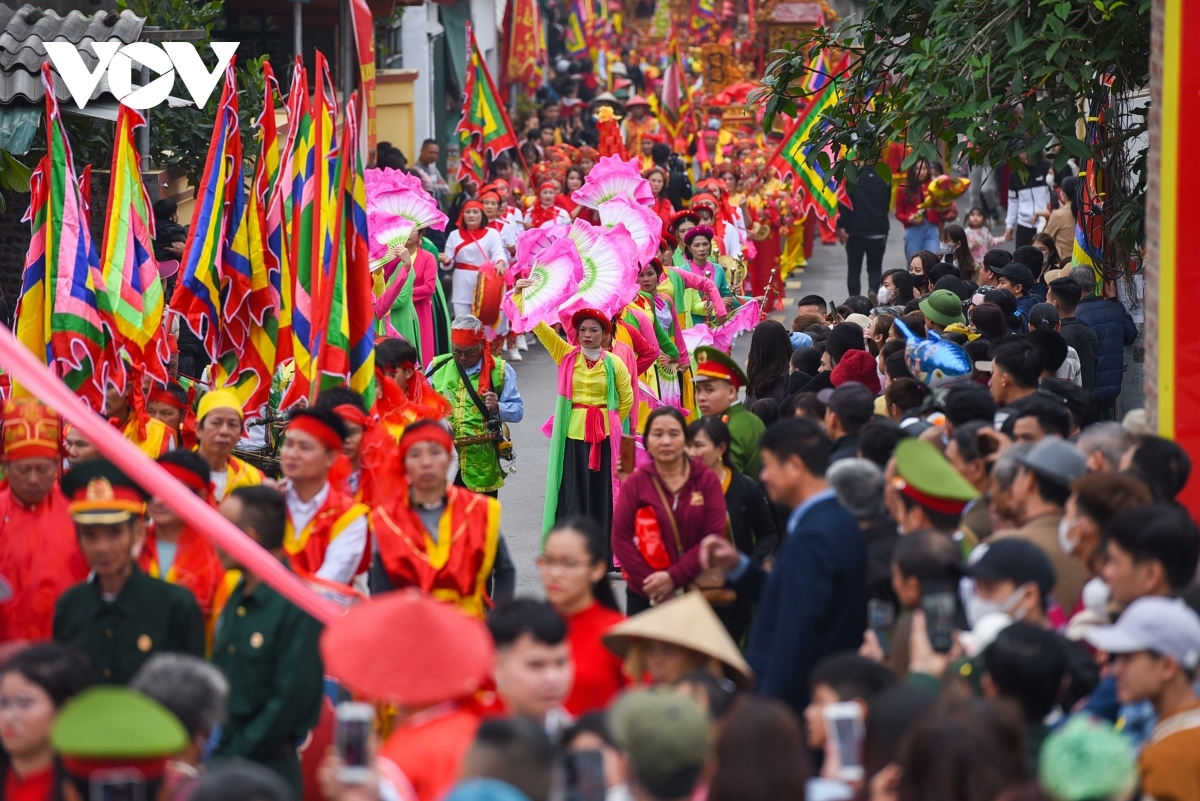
903, 551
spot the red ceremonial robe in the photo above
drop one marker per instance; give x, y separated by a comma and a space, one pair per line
40, 558
306, 548
197, 567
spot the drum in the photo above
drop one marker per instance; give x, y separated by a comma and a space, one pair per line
489, 291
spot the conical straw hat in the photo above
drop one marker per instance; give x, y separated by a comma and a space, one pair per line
687, 621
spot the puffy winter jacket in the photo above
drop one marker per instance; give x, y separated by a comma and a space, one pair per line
1114, 329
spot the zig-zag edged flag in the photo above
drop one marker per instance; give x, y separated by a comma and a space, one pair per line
57, 316
132, 295
485, 129
822, 192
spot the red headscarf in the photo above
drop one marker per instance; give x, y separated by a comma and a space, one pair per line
466, 338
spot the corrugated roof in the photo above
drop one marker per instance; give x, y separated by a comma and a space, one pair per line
24, 31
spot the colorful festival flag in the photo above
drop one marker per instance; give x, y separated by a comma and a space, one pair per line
260, 240
704, 15
526, 45
676, 106
132, 294
579, 26
484, 130
205, 273
821, 191
299, 164
57, 316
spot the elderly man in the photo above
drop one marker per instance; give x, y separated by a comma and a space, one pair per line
195, 692
219, 421
482, 389
38, 554
859, 487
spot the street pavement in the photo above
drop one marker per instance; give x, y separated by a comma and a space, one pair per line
524, 494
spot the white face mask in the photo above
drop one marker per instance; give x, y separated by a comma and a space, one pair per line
883, 295
945, 247
1096, 596
1065, 540
977, 608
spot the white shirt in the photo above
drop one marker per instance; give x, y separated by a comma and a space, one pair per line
344, 553
220, 480
1071, 369
1026, 201
489, 248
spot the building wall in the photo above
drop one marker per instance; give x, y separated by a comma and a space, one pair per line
395, 95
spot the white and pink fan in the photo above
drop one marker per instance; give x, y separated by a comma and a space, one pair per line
393, 214
532, 241
744, 319
556, 271
613, 177
610, 268
642, 223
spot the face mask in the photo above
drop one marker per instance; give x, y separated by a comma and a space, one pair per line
977, 608
1096, 596
1065, 540
883, 295
920, 280
945, 248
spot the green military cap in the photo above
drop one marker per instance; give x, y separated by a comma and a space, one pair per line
711, 363
925, 476
106, 728
665, 736
100, 494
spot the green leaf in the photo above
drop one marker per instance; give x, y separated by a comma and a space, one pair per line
884, 170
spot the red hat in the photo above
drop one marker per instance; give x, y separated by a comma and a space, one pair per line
592, 314
408, 649
32, 430
856, 365
679, 216
637, 100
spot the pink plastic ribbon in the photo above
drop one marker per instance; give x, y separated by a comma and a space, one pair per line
35, 377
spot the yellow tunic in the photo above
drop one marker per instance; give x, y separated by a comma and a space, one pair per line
588, 385
159, 439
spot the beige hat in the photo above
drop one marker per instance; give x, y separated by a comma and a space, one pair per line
687, 621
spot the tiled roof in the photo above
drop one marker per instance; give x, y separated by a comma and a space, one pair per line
23, 32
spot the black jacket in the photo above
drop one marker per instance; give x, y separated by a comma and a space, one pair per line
1114, 330
868, 213
1085, 343
751, 520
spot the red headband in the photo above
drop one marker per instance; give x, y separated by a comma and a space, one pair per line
944, 506
352, 414
548, 185
318, 431
150, 768
163, 395
473, 204
465, 338
187, 477
426, 433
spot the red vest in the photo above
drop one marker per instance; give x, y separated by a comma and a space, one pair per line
197, 567
456, 567
306, 548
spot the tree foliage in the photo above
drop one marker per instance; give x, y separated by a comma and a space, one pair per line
983, 81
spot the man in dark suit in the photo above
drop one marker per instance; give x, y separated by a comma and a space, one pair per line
813, 603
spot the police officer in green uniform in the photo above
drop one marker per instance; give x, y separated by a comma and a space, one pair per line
115, 743
269, 650
120, 616
718, 380
924, 491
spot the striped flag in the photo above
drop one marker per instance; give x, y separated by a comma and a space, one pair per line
704, 15
204, 273
132, 295
259, 241
315, 255
676, 104
485, 129
579, 24
299, 162
360, 299
57, 316
821, 191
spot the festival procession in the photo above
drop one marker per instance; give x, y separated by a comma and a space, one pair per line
485, 401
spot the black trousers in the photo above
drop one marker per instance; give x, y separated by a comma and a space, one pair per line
1024, 236
856, 248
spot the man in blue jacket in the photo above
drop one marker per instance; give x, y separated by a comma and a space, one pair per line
813, 603
1114, 329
